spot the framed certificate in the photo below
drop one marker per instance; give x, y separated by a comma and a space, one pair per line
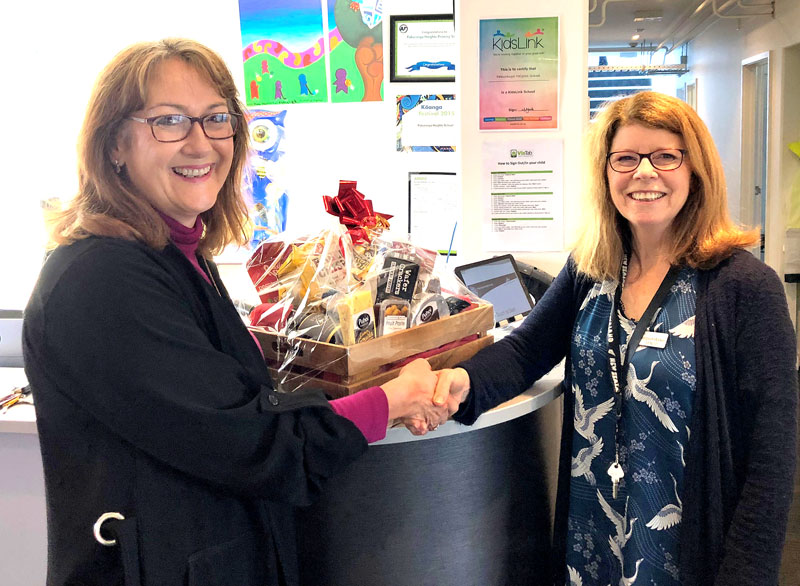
422, 48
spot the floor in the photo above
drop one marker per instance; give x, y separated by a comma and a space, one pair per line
790, 569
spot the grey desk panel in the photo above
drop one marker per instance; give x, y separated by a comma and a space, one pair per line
466, 509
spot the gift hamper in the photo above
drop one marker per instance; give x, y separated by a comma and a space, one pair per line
346, 308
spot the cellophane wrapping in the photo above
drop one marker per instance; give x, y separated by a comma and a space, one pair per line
349, 285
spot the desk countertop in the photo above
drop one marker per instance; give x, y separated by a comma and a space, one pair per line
540, 394
22, 418
19, 418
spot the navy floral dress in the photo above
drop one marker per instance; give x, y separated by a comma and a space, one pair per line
632, 539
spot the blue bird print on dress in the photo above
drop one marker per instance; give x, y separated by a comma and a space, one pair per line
604, 288
582, 463
637, 389
685, 329
669, 515
586, 418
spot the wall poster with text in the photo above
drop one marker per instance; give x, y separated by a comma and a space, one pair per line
519, 67
523, 195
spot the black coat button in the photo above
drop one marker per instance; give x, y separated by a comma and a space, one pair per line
273, 399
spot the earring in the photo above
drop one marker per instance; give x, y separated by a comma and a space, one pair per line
117, 166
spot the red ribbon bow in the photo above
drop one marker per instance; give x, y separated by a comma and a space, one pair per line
355, 211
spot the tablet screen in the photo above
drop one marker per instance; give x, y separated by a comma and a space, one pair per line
496, 280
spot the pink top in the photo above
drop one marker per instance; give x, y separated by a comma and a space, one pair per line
367, 409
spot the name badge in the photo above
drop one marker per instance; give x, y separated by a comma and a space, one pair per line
654, 340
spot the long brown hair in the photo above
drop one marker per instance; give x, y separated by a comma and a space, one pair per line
106, 203
701, 235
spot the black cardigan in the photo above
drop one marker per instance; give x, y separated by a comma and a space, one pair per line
153, 401
741, 455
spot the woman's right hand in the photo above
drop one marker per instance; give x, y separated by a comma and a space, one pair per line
452, 389
411, 396
452, 386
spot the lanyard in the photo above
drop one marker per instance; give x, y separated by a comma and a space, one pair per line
615, 357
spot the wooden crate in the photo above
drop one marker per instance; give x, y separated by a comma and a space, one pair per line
342, 370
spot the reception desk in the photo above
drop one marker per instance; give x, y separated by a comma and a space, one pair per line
459, 506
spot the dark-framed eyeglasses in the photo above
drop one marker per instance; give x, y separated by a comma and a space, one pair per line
176, 127
663, 160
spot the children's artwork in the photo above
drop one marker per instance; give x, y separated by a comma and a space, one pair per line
284, 44
426, 123
356, 50
263, 182
283, 52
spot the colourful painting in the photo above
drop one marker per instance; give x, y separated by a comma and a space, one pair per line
283, 52
264, 184
356, 50
284, 44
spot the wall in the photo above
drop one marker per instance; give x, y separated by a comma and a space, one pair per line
715, 60
53, 64
54, 51
574, 114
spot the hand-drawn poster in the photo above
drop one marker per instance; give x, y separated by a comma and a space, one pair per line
518, 73
356, 50
283, 52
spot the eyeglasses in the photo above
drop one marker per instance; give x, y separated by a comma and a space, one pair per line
663, 160
176, 127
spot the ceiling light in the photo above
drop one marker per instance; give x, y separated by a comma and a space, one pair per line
648, 15
635, 37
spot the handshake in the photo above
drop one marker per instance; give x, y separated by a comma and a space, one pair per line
422, 399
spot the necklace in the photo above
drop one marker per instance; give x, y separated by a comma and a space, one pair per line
211, 276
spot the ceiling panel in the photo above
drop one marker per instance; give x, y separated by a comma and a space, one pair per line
663, 22
661, 19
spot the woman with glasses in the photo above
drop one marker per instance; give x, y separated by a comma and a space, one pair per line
168, 456
678, 443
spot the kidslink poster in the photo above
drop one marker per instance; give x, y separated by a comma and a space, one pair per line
519, 73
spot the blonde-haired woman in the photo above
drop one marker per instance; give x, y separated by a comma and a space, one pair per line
168, 456
678, 444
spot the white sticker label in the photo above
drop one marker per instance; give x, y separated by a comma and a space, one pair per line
654, 339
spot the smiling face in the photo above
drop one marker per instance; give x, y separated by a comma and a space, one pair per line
648, 198
180, 179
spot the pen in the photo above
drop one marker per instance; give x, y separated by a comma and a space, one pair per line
449, 250
11, 402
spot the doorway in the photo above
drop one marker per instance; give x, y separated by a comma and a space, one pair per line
755, 124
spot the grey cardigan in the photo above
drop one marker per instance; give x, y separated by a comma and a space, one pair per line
741, 456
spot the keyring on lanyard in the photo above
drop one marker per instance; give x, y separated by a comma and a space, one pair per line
615, 358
